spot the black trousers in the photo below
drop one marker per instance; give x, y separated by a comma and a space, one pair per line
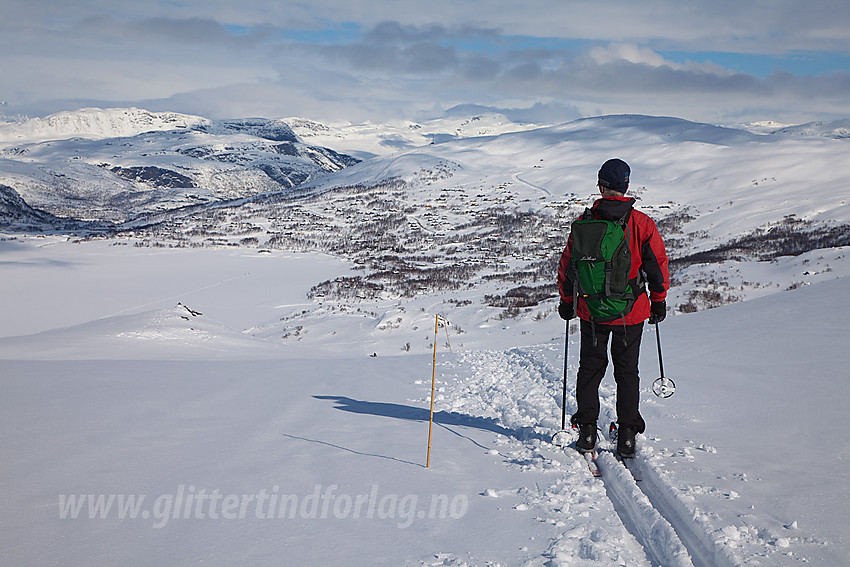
593, 362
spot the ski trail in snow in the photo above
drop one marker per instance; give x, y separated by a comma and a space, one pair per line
640, 517
665, 508
515, 387
611, 521
689, 528
694, 533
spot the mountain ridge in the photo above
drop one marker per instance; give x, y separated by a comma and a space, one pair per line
111, 165
485, 216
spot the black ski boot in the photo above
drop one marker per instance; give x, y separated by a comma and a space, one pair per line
626, 441
586, 437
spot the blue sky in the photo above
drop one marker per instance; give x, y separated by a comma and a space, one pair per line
332, 60
810, 63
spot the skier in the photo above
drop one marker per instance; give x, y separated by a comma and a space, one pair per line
649, 265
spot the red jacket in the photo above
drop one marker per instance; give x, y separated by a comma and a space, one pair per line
648, 255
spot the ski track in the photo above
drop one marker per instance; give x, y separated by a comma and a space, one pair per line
640, 517
690, 527
611, 521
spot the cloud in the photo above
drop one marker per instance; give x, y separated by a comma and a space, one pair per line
398, 33
630, 52
758, 26
187, 31
330, 58
424, 58
391, 47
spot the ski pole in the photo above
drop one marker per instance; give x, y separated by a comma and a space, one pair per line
658, 342
564, 400
662, 387
560, 438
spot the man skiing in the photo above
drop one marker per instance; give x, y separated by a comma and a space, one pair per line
648, 267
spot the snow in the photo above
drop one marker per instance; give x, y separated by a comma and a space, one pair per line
367, 139
117, 164
177, 406
95, 123
218, 429
765, 386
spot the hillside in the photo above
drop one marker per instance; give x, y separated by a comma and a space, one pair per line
182, 439
242, 380
486, 218
17, 214
114, 164
482, 217
367, 140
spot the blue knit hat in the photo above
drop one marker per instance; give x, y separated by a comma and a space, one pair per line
614, 175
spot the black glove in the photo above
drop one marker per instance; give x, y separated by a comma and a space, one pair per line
566, 311
658, 311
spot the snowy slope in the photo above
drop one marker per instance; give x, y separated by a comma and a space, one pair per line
366, 140
152, 435
838, 129
487, 217
16, 213
113, 164
95, 124
200, 385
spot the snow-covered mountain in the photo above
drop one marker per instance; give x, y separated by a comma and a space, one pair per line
831, 129
366, 140
484, 216
114, 164
17, 214
835, 129
94, 124
487, 217
486, 213
242, 381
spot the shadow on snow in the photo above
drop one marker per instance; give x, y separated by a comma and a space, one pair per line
442, 418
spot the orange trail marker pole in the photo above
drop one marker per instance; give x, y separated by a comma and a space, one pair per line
433, 385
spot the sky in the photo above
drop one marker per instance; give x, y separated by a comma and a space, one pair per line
541, 61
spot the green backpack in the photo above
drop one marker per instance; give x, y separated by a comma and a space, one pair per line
599, 267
